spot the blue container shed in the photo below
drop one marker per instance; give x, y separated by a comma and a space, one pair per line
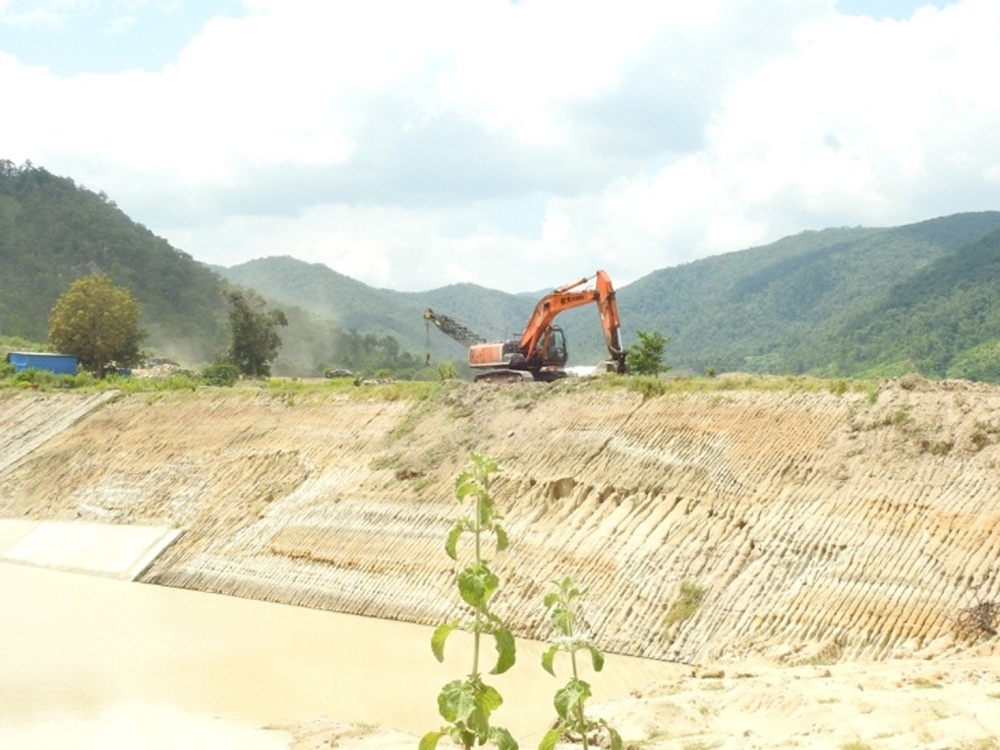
60, 364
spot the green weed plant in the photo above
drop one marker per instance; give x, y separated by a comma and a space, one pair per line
467, 704
570, 700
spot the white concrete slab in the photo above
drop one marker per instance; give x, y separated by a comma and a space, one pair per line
110, 550
12, 531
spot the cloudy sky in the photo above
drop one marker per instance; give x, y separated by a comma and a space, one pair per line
515, 144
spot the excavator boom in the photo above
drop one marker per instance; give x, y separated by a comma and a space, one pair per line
453, 328
569, 296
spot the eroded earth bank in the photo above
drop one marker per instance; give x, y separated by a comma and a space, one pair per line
823, 526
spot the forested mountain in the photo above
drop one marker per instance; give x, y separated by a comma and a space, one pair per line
354, 306
943, 321
52, 232
845, 302
848, 301
789, 307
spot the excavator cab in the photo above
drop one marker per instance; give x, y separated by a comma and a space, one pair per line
551, 350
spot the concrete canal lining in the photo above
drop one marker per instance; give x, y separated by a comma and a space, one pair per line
110, 550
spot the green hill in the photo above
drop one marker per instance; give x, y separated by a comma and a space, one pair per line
355, 306
943, 321
781, 308
52, 232
804, 304
842, 302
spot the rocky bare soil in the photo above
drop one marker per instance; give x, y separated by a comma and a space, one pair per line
821, 526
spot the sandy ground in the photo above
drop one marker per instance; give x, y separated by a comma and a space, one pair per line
896, 704
863, 521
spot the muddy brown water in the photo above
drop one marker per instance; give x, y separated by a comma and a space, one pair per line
88, 662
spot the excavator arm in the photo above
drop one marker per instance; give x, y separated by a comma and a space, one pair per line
453, 328
537, 333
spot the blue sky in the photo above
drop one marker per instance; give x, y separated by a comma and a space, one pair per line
70, 38
112, 37
515, 145
895, 9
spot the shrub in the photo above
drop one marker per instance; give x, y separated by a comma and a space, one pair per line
221, 373
978, 621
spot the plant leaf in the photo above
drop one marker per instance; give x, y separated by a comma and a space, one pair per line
502, 739
549, 740
563, 620
597, 656
502, 541
506, 651
477, 584
457, 701
485, 464
451, 544
548, 658
430, 740
439, 636
488, 700
616, 739
461, 736
465, 483
489, 697
566, 700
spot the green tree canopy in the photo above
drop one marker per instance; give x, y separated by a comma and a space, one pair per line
646, 357
98, 322
255, 341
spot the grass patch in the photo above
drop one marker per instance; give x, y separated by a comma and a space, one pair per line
283, 388
400, 390
900, 417
421, 390
386, 461
986, 433
683, 607
422, 484
411, 420
686, 604
941, 447
651, 387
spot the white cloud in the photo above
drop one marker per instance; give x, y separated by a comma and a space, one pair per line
412, 145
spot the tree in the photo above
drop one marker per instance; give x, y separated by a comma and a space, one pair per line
254, 328
646, 357
97, 322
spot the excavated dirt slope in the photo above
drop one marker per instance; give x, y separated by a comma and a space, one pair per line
817, 525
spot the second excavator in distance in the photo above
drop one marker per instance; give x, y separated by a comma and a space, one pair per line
540, 353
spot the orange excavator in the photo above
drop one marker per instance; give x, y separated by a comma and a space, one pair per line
540, 353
